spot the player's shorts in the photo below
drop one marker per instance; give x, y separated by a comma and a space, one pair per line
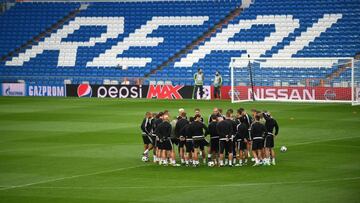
226, 146
257, 144
269, 141
166, 145
182, 143
214, 145
200, 143
159, 144
234, 146
241, 145
146, 139
175, 141
153, 139
189, 146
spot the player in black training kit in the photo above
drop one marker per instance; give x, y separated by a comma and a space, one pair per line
189, 142
270, 124
248, 121
214, 139
163, 131
225, 130
257, 133
156, 122
241, 138
179, 133
198, 131
202, 147
146, 128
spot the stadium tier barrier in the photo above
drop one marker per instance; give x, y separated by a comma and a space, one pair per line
156, 91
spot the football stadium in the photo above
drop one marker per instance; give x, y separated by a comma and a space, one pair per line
179, 101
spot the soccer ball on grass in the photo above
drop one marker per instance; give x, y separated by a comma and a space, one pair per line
283, 149
211, 164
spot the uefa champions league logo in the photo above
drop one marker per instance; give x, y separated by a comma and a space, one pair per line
236, 94
206, 93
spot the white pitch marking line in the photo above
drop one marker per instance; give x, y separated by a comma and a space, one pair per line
320, 141
120, 169
70, 177
197, 186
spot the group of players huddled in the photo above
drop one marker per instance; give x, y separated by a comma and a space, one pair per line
232, 138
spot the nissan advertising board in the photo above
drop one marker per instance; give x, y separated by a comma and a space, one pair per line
288, 93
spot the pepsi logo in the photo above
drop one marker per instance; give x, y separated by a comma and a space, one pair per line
84, 90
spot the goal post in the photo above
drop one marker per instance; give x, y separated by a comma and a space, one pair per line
295, 79
355, 80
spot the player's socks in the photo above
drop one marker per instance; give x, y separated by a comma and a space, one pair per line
273, 161
146, 151
204, 161
209, 157
230, 162
240, 163
226, 162
257, 162
155, 159
221, 163
182, 161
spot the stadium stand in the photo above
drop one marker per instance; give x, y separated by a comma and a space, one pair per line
48, 43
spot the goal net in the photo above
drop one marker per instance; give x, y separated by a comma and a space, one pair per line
295, 79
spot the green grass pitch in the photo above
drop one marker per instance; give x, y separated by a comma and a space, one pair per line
88, 150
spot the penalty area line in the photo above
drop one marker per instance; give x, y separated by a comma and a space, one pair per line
70, 177
197, 186
321, 141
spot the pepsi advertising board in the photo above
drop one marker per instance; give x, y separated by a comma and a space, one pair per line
103, 91
135, 91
